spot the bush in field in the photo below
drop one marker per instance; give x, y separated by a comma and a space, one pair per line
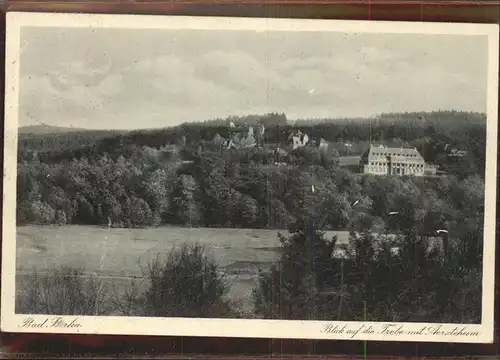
186, 284
64, 291
139, 214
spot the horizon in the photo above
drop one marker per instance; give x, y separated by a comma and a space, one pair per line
290, 121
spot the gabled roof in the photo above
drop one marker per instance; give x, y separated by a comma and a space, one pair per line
390, 151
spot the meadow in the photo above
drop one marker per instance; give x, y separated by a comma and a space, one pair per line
120, 255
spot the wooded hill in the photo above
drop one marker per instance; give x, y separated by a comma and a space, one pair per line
405, 126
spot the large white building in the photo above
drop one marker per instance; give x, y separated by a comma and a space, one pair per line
383, 160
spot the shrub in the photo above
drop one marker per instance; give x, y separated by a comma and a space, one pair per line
64, 291
186, 283
61, 218
128, 299
40, 213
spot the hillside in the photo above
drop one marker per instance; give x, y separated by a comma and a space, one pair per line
441, 118
52, 139
46, 129
457, 128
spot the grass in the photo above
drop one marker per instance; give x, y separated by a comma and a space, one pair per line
185, 283
119, 256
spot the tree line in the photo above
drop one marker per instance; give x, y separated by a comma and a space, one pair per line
146, 187
431, 133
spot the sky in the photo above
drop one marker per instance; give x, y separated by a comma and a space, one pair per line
128, 79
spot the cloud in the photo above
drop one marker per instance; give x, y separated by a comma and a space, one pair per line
160, 85
48, 98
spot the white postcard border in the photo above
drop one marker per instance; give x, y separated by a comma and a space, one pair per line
428, 332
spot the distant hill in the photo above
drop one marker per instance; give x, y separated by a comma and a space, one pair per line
452, 127
46, 138
47, 129
269, 119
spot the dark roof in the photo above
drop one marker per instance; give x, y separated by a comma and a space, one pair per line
387, 151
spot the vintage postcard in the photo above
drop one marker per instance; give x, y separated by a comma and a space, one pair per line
234, 177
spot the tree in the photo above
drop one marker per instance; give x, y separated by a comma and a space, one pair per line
186, 284
279, 216
215, 190
307, 155
41, 213
335, 210
298, 197
329, 158
254, 182
157, 189
60, 217
293, 286
138, 214
85, 213
359, 279
183, 207
61, 202
242, 210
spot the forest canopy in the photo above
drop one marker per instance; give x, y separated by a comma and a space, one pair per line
177, 176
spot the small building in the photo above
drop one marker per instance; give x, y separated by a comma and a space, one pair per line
298, 139
383, 160
248, 140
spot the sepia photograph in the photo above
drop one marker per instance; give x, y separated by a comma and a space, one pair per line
260, 174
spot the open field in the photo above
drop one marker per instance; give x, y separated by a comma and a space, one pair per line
119, 255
